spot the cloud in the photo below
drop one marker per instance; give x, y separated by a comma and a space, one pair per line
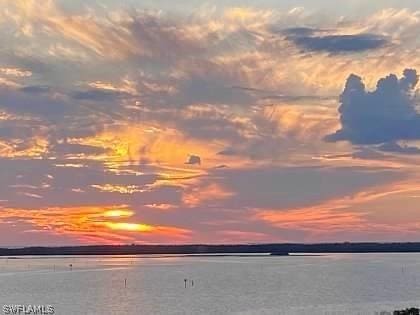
386, 114
205, 194
35, 89
397, 148
348, 217
314, 40
83, 183
40, 111
77, 149
111, 103
122, 34
193, 160
16, 72
97, 95
285, 187
100, 224
35, 103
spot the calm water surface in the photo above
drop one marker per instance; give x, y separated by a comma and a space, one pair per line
327, 284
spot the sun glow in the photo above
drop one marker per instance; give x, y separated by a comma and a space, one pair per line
124, 226
168, 146
93, 224
118, 213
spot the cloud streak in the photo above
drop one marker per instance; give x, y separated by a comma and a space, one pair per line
309, 40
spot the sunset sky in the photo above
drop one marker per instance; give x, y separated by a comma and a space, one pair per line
190, 121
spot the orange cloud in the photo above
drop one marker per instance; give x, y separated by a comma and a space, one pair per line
196, 195
15, 72
166, 146
122, 189
93, 224
313, 219
161, 206
35, 147
304, 123
341, 214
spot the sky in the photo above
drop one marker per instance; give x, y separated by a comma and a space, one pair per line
209, 122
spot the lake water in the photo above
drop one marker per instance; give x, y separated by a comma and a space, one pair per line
327, 284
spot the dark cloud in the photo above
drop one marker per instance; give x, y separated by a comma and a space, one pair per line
18, 129
387, 114
310, 39
39, 104
299, 31
35, 89
229, 152
272, 95
35, 109
98, 95
29, 61
298, 98
193, 160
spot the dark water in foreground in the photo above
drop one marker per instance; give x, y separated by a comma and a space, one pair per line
328, 284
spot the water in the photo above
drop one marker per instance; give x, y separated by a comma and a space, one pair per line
328, 284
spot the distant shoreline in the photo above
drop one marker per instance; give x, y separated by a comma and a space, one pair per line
222, 250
